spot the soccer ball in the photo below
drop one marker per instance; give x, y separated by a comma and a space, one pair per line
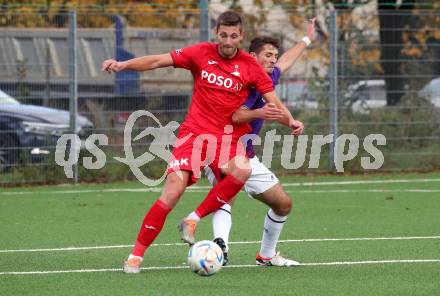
205, 258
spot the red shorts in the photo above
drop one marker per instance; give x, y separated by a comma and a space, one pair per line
193, 153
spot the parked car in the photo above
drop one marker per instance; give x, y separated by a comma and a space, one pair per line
367, 94
431, 91
371, 94
30, 131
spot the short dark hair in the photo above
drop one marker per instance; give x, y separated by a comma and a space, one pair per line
258, 42
229, 19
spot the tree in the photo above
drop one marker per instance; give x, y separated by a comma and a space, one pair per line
95, 13
393, 19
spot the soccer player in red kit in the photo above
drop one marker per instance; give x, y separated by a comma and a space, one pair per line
223, 76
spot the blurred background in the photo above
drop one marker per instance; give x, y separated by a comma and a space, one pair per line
374, 69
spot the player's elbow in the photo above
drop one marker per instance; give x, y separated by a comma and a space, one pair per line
153, 65
158, 62
236, 118
243, 116
147, 63
161, 61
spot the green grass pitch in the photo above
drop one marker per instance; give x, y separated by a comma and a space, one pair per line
355, 235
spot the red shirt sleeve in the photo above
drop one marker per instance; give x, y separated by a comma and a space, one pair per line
184, 57
261, 80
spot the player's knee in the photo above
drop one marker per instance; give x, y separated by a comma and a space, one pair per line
172, 192
239, 167
287, 206
242, 173
170, 197
284, 207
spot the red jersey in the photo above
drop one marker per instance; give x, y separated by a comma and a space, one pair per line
221, 86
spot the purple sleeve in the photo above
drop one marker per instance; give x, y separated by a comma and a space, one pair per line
251, 99
254, 95
276, 74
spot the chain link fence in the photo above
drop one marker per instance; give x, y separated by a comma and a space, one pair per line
44, 71
388, 70
34, 94
367, 73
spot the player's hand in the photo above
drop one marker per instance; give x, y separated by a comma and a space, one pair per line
112, 66
270, 112
296, 126
311, 29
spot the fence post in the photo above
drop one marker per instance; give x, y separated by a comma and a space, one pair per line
73, 83
333, 108
204, 20
47, 75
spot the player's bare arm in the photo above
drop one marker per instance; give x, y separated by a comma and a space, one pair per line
287, 59
144, 63
288, 120
268, 112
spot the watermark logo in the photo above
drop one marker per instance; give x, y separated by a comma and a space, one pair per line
163, 139
160, 147
346, 148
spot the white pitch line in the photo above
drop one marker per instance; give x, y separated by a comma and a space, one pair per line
309, 240
154, 189
195, 188
232, 243
66, 249
145, 190
366, 191
373, 262
348, 263
359, 182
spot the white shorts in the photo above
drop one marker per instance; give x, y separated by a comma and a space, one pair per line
260, 180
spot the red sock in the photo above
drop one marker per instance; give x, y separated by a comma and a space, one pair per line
222, 193
151, 227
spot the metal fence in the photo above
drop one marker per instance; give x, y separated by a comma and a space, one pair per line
378, 73
364, 75
387, 83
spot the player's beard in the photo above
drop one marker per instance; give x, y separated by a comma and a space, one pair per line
228, 51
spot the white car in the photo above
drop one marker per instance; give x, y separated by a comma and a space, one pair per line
431, 91
371, 94
367, 94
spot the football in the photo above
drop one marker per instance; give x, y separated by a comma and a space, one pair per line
205, 258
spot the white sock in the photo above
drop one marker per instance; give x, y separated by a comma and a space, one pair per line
222, 223
193, 216
273, 224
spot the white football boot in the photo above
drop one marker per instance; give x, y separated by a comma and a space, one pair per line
132, 264
276, 260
